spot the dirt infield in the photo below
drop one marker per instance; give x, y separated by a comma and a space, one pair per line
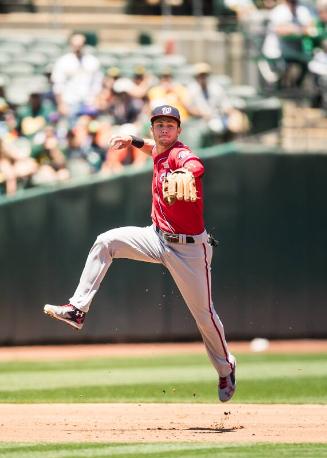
162, 423
158, 422
47, 352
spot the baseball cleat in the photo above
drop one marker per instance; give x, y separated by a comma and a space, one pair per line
67, 313
227, 386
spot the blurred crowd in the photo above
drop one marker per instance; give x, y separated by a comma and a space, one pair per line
295, 45
64, 132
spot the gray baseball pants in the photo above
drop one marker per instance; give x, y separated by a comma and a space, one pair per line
189, 265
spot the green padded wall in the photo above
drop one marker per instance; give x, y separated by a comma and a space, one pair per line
267, 208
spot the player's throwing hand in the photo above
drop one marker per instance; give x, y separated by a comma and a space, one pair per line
120, 142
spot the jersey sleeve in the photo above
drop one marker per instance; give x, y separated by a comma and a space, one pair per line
181, 157
195, 166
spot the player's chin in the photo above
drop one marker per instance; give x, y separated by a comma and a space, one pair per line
165, 141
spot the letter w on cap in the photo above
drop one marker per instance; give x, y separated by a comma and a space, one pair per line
166, 110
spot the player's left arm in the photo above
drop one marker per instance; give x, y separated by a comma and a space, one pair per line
186, 159
195, 166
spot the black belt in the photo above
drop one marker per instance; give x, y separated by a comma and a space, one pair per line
174, 238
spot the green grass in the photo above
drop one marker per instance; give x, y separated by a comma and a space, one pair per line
159, 450
262, 378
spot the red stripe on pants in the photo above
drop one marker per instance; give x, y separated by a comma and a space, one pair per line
210, 308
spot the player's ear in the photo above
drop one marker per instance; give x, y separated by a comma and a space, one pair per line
179, 130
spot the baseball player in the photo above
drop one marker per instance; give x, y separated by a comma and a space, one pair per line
177, 239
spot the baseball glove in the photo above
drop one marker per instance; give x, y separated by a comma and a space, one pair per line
180, 185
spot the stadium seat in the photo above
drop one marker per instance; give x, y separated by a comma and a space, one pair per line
12, 48
121, 51
224, 81
37, 59
243, 91
34, 82
57, 40
18, 68
184, 74
21, 86
4, 59
151, 51
17, 95
24, 40
107, 60
51, 50
4, 80
172, 60
133, 61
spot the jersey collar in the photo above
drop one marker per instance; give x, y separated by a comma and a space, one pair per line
177, 144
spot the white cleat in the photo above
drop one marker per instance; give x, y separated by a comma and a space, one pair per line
227, 386
67, 313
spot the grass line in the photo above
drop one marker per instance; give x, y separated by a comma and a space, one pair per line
283, 390
163, 450
262, 378
125, 362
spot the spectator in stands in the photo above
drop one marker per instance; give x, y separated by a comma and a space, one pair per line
243, 8
50, 158
48, 95
318, 68
76, 78
2, 87
99, 137
290, 23
35, 115
125, 98
16, 167
321, 23
86, 147
170, 92
15, 152
125, 108
8, 179
77, 155
4, 107
8, 122
143, 81
211, 103
106, 95
318, 64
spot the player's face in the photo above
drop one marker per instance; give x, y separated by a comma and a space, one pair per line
165, 131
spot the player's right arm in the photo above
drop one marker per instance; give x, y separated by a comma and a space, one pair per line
144, 144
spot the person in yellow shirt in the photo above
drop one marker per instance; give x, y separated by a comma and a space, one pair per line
170, 92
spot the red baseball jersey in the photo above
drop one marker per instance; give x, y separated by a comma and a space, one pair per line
181, 217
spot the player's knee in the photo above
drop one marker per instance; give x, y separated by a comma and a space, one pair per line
107, 239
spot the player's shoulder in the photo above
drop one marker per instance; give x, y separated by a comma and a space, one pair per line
179, 155
180, 151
